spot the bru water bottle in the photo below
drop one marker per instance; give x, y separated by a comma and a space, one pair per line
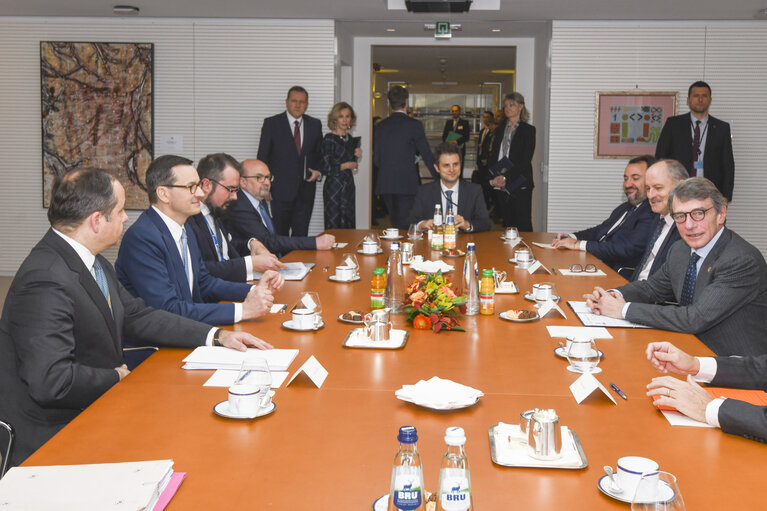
407, 476
454, 491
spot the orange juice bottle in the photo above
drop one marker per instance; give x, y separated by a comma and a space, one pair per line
377, 289
487, 293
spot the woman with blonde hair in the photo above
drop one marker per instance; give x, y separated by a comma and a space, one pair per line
340, 153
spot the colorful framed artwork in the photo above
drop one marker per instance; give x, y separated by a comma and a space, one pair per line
628, 124
97, 111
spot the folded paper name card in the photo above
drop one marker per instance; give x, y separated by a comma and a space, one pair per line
537, 265
313, 370
584, 386
549, 306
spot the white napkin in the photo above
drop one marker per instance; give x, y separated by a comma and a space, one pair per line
511, 449
432, 266
357, 339
440, 394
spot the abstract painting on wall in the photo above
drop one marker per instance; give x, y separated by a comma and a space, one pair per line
97, 111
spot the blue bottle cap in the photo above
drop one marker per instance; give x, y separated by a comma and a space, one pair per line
407, 435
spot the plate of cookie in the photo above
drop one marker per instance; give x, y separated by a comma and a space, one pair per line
353, 316
519, 316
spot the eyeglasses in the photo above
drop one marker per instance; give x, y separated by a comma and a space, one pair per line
230, 189
577, 268
696, 214
260, 179
192, 187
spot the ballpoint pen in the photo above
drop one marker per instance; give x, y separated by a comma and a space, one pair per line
619, 391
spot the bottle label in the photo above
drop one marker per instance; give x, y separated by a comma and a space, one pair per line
407, 491
437, 241
450, 240
437, 220
455, 494
377, 299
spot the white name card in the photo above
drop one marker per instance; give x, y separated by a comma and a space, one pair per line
314, 370
549, 306
537, 265
585, 385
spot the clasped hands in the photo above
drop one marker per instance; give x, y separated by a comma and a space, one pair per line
605, 303
562, 240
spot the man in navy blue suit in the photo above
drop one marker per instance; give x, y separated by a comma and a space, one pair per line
620, 240
660, 179
290, 145
161, 263
226, 256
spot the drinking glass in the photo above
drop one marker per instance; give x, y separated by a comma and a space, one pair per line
658, 493
310, 300
261, 376
413, 233
350, 260
583, 355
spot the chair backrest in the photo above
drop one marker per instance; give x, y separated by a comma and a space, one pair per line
6, 452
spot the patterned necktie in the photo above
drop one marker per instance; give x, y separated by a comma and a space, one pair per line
688, 289
696, 144
297, 136
101, 281
185, 254
651, 243
265, 216
449, 203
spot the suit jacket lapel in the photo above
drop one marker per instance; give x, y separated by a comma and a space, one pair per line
463, 198
704, 275
203, 225
177, 269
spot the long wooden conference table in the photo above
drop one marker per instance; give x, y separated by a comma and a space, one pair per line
333, 447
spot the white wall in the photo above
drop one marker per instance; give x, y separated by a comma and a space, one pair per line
591, 56
215, 81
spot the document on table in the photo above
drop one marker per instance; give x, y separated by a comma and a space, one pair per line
218, 357
339, 245
579, 332
542, 245
679, 419
588, 318
128, 486
227, 377
294, 271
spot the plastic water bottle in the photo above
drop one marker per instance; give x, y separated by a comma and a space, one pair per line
454, 492
395, 280
407, 475
471, 280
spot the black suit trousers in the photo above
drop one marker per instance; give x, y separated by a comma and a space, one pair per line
399, 207
516, 208
291, 217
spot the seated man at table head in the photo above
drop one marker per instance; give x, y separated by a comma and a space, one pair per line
661, 178
731, 415
718, 279
226, 256
66, 315
161, 263
249, 215
620, 240
466, 198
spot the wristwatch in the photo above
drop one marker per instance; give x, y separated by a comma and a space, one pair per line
216, 336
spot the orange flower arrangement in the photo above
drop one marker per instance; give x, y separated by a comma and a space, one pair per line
431, 302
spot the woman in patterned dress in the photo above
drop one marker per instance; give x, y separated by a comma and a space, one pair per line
339, 162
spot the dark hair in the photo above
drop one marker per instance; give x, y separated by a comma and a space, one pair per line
80, 193
446, 148
213, 165
488, 112
675, 170
160, 172
697, 188
699, 83
298, 88
398, 97
647, 159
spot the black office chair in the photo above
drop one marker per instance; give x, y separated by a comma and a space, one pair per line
134, 355
6, 455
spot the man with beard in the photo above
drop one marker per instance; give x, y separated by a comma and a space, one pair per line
620, 240
226, 256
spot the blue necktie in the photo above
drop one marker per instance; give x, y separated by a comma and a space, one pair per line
185, 254
265, 215
101, 281
688, 289
449, 197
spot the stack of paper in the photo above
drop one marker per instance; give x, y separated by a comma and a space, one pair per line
134, 486
294, 271
218, 357
439, 394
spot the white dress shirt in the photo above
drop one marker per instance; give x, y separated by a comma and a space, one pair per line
668, 222
706, 374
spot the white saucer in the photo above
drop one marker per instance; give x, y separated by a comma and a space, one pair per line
503, 315
666, 491
222, 409
529, 296
391, 237
593, 371
380, 251
504, 238
336, 279
560, 352
289, 325
381, 503
419, 237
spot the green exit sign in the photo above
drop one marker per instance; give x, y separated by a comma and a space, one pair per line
442, 30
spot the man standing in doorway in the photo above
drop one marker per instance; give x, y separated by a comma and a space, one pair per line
290, 146
457, 132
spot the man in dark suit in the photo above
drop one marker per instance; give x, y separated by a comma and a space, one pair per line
248, 216
461, 128
731, 415
398, 140
717, 278
66, 315
465, 198
620, 240
219, 181
660, 179
701, 142
290, 145
161, 263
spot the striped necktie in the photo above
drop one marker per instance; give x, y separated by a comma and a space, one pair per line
265, 216
688, 289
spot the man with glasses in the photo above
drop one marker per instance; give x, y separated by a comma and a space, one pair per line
249, 215
160, 261
718, 280
227, 257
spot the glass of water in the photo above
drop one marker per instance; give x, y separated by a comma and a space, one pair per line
583, 355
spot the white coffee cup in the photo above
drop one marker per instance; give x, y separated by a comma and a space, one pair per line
344, 273
523, 256
542, 292
369, 247
630, 471
391, 232
305, 319
244, 400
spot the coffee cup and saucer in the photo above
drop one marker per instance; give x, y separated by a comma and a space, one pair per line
304, 320
245, 402
633, 470
345, 274
391, 234
370, 248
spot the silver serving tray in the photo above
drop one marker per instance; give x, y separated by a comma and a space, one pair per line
578, 447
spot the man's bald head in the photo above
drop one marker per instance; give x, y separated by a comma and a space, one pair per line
256, 179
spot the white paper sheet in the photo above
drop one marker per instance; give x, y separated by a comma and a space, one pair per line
339, 245
226, 378
294, 271
216, 357
277, 307
588, 318
579, 331
542, 245
567, 272
679, 419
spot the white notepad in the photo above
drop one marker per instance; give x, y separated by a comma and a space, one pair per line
218, 357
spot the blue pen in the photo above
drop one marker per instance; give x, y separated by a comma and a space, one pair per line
619, 391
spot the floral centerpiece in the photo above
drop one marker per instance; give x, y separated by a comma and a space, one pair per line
431, 302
